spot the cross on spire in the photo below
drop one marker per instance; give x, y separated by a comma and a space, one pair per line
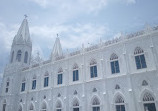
25, 16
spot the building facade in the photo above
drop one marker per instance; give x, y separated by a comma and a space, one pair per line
116, 75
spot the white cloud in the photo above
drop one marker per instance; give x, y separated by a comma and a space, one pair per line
1, 76
71, 5
6, 35
71, 36
43, 37
78, 5
131, 1
42, 3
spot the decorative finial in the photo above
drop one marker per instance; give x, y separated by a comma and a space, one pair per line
57, 35
25, 16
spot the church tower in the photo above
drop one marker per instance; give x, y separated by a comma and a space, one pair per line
20, 56
22, 46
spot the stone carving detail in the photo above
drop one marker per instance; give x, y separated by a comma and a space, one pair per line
59, 95
94, 90
75, 92
117, 86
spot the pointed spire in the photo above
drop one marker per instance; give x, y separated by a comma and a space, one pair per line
57, 50
23, 35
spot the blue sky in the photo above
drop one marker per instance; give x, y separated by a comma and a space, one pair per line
76, 22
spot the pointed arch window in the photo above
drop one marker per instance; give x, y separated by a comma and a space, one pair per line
34, 82
7, 85
119, 103
12, 57
60, 76
148, 97
75, 105
23, 85
4, 105
93, 68
44, 107
46, 79
149, 102
75, 73
18, 56
114, 64
140, 58
31, 108
59, 106
95, 104
26, 57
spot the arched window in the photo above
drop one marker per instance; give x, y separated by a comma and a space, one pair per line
148, 97
119, 103
144, 83
138, 50
23, 85
4, 105
149, 102
75, 105
117, 86
44, 107
18, 56
34, 82
114, 64
75, 72
7, 85
60, 70
140, 58
95, 104
93, 68
46, 79
59, 106
31, 108
20, 108
60, 76
26, 57
12, 57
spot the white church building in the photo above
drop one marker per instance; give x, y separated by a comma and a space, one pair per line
117, 75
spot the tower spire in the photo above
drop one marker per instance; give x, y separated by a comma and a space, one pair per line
57, 49
23, 34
